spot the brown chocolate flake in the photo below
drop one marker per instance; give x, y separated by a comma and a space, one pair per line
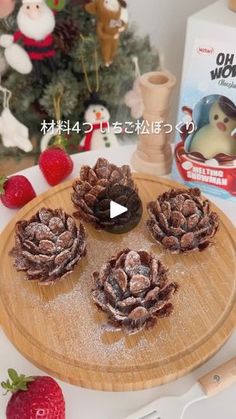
47, 247
132, 260
138, 313
121, 278
171, 243
138, 284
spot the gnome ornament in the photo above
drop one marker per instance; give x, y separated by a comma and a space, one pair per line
99, 134
217, 137
36, 22
112, 20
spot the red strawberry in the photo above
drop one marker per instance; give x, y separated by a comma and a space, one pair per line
33, 397
55, 164
16, 191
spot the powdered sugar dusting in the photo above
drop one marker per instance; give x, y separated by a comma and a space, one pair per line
76, 329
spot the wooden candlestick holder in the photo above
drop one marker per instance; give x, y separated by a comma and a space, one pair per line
232, 5
153, 154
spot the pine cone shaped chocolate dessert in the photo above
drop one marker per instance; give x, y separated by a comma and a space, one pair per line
134, 290
182, 220
48, 246
97, 186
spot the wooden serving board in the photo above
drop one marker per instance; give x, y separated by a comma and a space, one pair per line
60, 329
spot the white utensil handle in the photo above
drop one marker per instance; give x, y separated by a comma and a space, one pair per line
147, 412
220, 378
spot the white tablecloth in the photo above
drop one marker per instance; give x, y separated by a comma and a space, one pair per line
89, 404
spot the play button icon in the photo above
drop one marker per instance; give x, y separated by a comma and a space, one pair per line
116, 209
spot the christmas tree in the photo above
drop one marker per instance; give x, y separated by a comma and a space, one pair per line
76, 44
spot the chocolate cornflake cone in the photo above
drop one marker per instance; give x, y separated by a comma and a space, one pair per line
48, 246
134, 290
182, 221
95, 188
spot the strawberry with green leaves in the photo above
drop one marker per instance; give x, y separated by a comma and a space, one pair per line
33, 397
16, 191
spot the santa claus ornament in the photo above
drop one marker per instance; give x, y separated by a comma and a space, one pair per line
36, 22
99, 133
112, 20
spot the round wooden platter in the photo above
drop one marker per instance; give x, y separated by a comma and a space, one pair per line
60, 329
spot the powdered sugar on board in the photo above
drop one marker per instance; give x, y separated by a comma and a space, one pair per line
63, 323
87, 336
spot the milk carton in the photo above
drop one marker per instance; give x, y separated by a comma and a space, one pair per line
205, 149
